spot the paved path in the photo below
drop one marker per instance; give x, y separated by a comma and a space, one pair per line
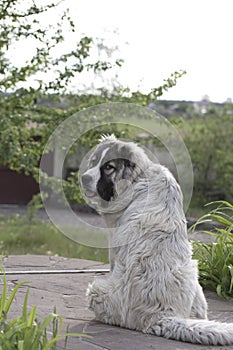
67, 292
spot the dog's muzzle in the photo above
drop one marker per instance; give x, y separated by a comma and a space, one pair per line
87, 180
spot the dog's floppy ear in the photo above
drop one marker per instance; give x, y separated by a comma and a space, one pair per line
128, 170
126, 152
129, 165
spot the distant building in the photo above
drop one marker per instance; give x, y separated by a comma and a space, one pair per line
16, 188
202, 105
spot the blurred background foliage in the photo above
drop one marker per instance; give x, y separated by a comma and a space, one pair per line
36, 97
32, 107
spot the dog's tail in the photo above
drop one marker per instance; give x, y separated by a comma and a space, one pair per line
195, 331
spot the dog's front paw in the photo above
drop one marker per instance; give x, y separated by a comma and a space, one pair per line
90, 290
94, 295
101, 303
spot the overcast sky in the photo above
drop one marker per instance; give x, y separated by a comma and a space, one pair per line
163, 36
167, 35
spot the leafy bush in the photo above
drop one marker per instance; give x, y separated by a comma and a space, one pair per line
212, 167
27, 331
216, 259
28, 116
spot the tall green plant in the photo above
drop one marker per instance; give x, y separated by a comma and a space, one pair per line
216, 259
27, 331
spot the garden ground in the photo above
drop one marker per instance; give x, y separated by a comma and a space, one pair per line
67, 292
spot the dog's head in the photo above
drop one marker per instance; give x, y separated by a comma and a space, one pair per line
112, 167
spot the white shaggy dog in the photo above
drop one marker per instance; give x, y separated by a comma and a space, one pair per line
153, 284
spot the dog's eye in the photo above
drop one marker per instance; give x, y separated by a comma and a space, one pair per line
109, 169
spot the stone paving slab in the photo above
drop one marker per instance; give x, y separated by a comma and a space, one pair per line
67, 292
115, 338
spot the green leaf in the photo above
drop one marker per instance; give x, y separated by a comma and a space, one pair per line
12, 295
230, 267
219, 290
3, 297
24, 314
31, 318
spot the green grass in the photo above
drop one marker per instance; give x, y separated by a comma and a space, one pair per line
21, 235
216, 259
28, 331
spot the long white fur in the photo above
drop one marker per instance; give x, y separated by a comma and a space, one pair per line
153, 284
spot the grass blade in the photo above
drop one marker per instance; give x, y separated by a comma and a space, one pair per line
3, 298
12, 295
32, 316
25, 307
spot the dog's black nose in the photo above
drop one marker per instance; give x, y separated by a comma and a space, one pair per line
86, 179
